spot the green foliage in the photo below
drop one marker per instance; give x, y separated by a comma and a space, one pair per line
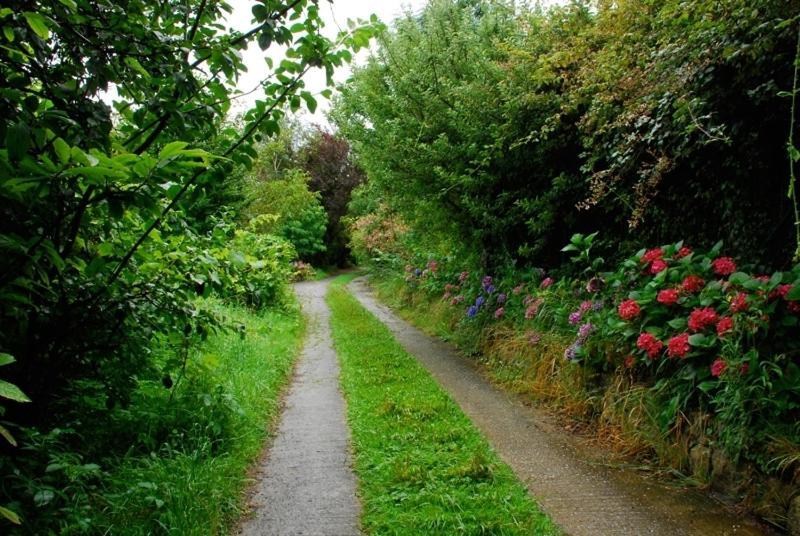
287, 207
513, 130
400, 420
176, 456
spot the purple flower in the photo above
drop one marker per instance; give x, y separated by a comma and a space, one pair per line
488, 289
499, 312
575, 317
501, 298
487, 280
596, 306
572, 351
585, 330
472, 311
585, 306
479, 301
547, 282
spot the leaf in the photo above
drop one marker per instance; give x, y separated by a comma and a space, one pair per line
793, 294
43, 496
311, 102
62, 149
677, 323
38, 24
18, 140
70, 4
10, 515
6, 359
697, 339
12, 392
171, 149
134, 64
8, 31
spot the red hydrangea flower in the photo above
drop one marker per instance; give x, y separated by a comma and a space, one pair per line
658, 266
652, 255
628, 310
692, 284
667, 296
718, 367
723, 266
780, 292
649, 344
739, 303
700, 319
683, 252
724, 325
678, 346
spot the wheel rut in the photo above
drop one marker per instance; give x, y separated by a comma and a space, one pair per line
585, 499
306, 484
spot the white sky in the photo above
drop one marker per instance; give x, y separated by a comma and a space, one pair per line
335, 15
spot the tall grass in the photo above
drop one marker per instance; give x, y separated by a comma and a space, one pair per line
168, 463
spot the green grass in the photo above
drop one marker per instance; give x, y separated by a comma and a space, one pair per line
196, 487
423, 467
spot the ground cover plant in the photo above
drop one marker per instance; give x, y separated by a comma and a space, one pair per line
422, 465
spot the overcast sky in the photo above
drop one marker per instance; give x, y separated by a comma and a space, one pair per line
335, 16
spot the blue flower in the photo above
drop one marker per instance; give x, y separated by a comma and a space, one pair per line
480, 301
472, 311
488, 289
417, 272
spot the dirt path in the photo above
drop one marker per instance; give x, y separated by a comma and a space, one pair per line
306, 485
584, 499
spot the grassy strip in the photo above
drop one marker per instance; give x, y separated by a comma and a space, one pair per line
196, 487
423, 467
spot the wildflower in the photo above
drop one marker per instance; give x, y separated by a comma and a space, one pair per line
408, 268
628, 310
499, 312
683, 252
652, 255
433, 265
547, 282
596, 306
531, 311
518, 289
718, 367
574, 317
489, 289
472, 310
658, 266
533, 338
595, 284
446, 295
480, 300
739, 303
572, 351
586, 306
744, 368
723, 266
463, 276
486, 281
692, 284
649, 344
417, 272
724, 325
629, 361
456, 300
585, 330
501, 298
667, 296
678, 346
700, 319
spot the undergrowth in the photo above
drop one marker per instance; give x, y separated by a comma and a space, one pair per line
173, 461
422, 466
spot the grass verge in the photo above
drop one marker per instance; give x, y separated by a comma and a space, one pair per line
423, 467
199, 489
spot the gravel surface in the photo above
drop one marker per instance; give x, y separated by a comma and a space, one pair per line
306, 484
580, 495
